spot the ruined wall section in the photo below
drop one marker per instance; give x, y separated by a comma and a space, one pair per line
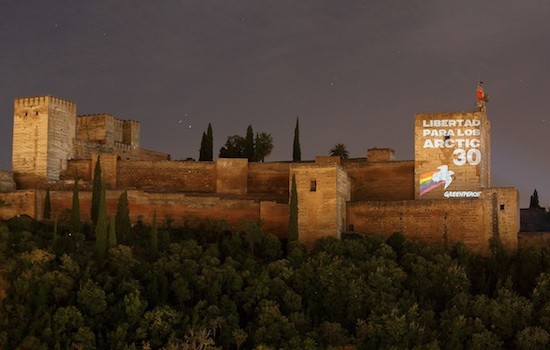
443, 221
43, 134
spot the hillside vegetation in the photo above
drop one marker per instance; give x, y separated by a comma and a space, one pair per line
201, 286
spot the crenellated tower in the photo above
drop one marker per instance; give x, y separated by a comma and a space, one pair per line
44, 129
452, 153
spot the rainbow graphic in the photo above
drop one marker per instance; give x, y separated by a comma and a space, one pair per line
432, 180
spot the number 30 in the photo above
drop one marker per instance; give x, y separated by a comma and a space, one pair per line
472, 157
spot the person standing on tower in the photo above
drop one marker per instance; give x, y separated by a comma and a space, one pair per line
481, 97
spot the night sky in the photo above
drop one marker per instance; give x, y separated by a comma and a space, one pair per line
354, 72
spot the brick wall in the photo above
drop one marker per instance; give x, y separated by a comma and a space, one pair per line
444, 221
167, 176
274, 218
323, 190
541, 239
232, 176
381, 181
269, 179
18, 203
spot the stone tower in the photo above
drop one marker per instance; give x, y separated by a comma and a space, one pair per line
323, 191
452, 154
43, 133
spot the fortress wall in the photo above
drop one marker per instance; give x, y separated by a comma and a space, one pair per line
526, 239
274, 218
502, 209
321, 189
431, 221
142, 154
131, 133
108, 164
232, 176
444, 221
96, 127
268, 178
167, 176
81, 168
381, 181
178, 206
18, 203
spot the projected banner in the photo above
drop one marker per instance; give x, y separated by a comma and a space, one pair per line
449, 155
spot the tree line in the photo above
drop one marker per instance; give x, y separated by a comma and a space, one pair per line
204, 285
255, 147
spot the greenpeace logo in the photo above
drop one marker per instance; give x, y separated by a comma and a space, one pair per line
462, 194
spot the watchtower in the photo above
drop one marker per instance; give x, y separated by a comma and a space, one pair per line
452, 154
43, 132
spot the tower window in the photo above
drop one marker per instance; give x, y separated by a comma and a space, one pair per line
502, 207
313, 186
26, 114
36, 113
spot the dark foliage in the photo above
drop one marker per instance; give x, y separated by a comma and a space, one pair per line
214, 287
296, 152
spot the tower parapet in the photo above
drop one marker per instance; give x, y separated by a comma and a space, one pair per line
44, 128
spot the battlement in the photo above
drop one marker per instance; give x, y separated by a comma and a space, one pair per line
33, 100
96, 117
380, 155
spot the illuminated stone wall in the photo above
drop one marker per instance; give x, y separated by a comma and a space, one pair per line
323, 190
444, 221
43, 131
452, 155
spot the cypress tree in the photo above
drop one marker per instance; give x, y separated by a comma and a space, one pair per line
47, 206
154, 237
101, 227
96, 191
534, 201
75, 212
55, 236
122, 222
296, 152
249, 144
112, 233
209, 153
202, 151
293, 219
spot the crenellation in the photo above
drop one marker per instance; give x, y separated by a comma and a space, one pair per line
376, 194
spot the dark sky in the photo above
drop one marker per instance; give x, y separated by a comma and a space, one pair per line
354, 72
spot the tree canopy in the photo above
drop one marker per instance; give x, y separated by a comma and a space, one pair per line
339, 150
214, 286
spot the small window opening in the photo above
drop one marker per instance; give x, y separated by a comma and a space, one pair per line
36, 113
26, 114
313, 186
502, 207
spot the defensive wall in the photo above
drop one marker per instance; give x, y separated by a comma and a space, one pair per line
444, 221
142, 205
442, 196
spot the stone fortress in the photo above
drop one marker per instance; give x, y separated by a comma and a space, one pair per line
443, 196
